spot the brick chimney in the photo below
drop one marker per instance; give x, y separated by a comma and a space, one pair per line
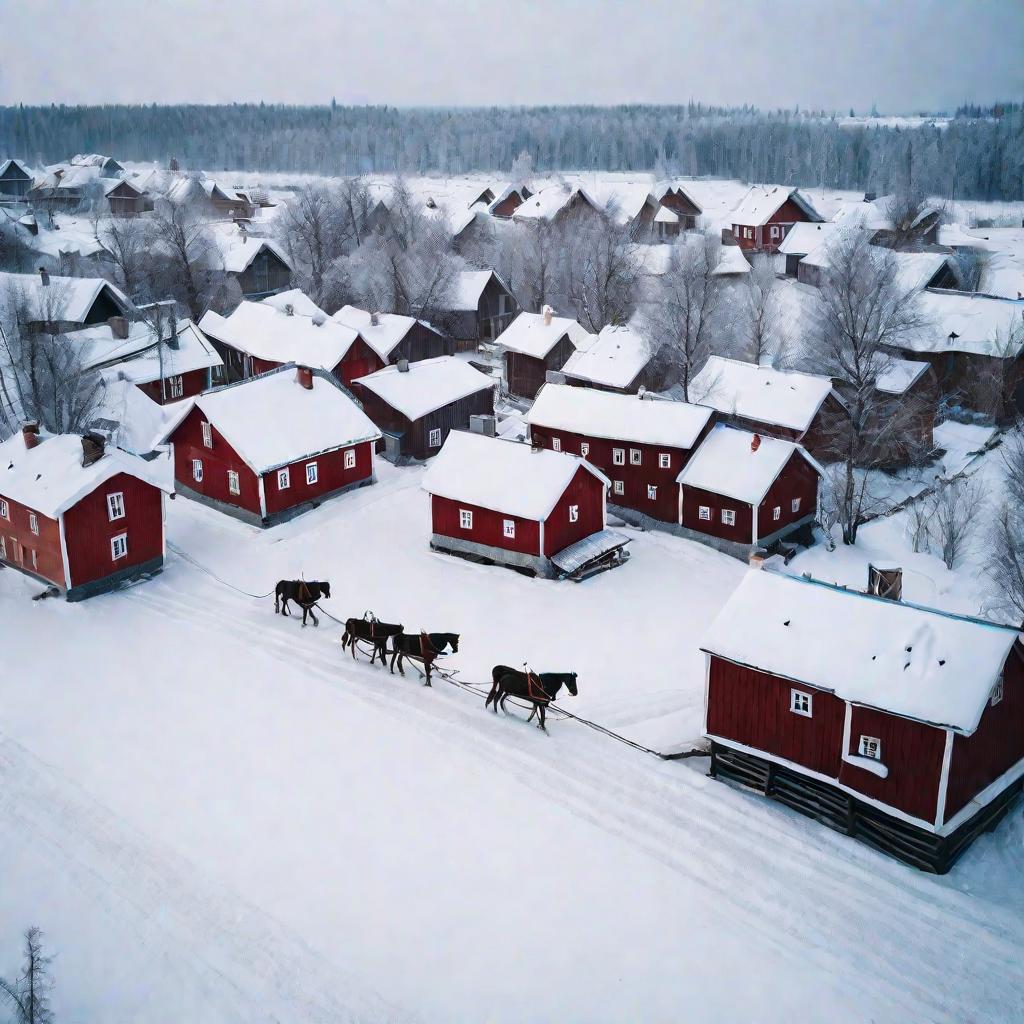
548, 314
755, 442
44, 277
30, 434
304, 376
118, 327
93, 448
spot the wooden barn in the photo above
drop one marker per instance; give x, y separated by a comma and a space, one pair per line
80, 515
267, 449
535, 343
59, 305
502, 503
479, 308
741, 491
675, 198
899, 725
416, 405
641, 445
508, 201
127, 200
388, 337
616, 359
764, 216
15, 179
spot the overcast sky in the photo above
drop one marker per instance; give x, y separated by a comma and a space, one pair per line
903, 55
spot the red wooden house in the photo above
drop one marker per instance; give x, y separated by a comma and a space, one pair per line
640, 445
79, 515
899, 725
535, 343
765, 214
385, 338
504, 205
266, 449
674, 197
741, 491
503, 503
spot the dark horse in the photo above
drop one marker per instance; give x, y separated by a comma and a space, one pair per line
369, 629
539, 688
423, 647
304, 593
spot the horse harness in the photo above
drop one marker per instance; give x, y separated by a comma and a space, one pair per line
427, 650
533, 684
305, 595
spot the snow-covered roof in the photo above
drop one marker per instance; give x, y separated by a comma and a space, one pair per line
384, 336
128, 416
503, 476
915, 662
272, 420
427, 385
983, 325
271, 334
68, 299
50, 477
120, 183
516, 187
899, 375
137, 358
783, 398
613, 358
548, 202
728, 463
91, 160
17, 164
618, 417
914, 270
730, 261
300, 302
761, 202
804, 237
666, 216
662, 189
467, 288
530, 336
626, 198
241, 250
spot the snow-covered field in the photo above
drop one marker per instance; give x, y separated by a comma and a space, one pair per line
216, 816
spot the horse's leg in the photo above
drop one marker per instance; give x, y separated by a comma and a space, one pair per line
426, 664
540, 707
532, 713
276, 602
316, 621
305, 612
491, 696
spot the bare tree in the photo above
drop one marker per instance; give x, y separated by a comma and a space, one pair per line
125, 239
861, 313
29, 992
955, 510
605, 271
318, 228
1005, 565
906, 209
919, 514
42, 374
758, 322
683, 310
184, 261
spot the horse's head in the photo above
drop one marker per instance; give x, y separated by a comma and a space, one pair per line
326, 588
570, 683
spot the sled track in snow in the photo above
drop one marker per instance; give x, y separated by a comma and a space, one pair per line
707, 832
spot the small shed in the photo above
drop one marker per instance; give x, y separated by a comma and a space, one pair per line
535, 343
418, 404
128, 200
504, 503
259, 265
478, 309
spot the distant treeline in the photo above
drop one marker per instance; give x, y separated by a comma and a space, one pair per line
976, 156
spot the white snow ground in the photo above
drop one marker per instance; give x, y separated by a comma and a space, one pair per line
216, 816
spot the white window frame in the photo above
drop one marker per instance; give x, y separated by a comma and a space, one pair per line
3, 547
197, 470
801, 703
870, 746
118, 547
509, 528
618, 456
314, 476
777, 513
997, 693
704, 513
434, 438
773, 230
556, 444
284, 479
618, 487
350, 458
465, 519
664, 460
652, 492
207, 433
584, 449
574, 513
234, 484
115, 506
728, 517
176, 386
795, 504
635, 457
33, 523
35, 560
5, 510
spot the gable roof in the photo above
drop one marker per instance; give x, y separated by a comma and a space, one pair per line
267, 333
50, 477
530, 336
124, 183
73, 297
726, 464
762, 202
300, 302
271, 420
618, 417
978, 321
663, 189
17, 165
468, 287
899, 375
384, 336
615, 357
911, 661
239, 252
549, 202
804, 237
427, 385
503, 476
783, 398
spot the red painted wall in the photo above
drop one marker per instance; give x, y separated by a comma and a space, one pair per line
665, 507
193, 383
912, 751
88, 529
694, 497
996, 745
359, 361
46, 545
586, 491
788, 213
507, 206
331, 475
752, 708
488, 526
797, 480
